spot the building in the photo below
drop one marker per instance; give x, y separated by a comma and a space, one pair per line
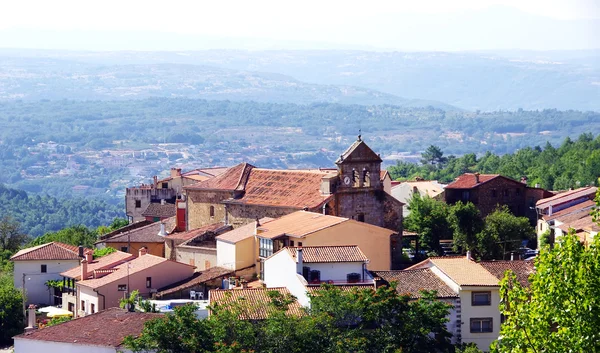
298, 268
159, 211
197, 286
137, 199
252, 244
243, 193
36, 265
196, 247
256, 300
488, 191
405, 190
150, 236
102, 332
477, 315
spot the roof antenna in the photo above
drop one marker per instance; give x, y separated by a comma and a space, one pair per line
359, 134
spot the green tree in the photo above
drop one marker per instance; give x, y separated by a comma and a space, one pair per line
466, 224
74, 235
434, 156
11, 237
429, 219
11, 310
502, 234
560, 311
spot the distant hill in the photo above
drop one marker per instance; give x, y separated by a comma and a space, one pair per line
55, 79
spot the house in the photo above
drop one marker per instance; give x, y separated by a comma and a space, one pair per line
137, 199
36, 265
150, 236
102, 332
563, 208
488, 191
244, 193
477, 286
297, 268
405, 190
250, 247
69, 300
196, 247
159, 211
256, 299
196, 286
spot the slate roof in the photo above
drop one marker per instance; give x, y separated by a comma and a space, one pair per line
298, 224
325, 254
105, 328
104, 262
523, 269
156, 209
256, 298
566, 196
198, 278
411, 282
241, 233
145, 234
48, 251
468, 180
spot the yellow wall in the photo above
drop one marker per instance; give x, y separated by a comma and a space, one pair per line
157, 249
246, 253
373, 241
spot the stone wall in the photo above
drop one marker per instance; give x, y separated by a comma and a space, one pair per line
199, 204
240, 215
145, 195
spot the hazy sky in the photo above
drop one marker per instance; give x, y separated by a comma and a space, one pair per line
396, 24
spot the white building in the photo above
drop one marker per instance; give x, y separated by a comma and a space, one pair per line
299, 268
102, 332
404, 191
36, 265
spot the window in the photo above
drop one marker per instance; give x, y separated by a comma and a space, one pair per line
138, 203
44, 269
291, 243
71, 307
165, 185
305, 272
265, 248
124, 249
481, 298
466, 195
494, 193
518, 192
506, 192
82, 305
314, 276
299, 243
360, 217
122, 287
92, 308
212, 211
480, 325
148, 282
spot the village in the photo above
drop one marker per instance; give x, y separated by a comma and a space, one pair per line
205, 235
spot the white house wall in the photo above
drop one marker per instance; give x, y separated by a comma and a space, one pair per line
36, 290
337, 270
468, 311
280, 271
32, 346
88, 296
225, 255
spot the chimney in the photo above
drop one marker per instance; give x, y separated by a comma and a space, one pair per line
30, 318
537, 186
81, 251
143, 251
175, 172
162, 202
84, 270
415, 190
476, 178
300, 260
180, 216
469, 255
512, 256
155, 181
89, 256
524, 179
162, 232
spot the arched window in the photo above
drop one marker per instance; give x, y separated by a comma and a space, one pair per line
366, 177
212, 211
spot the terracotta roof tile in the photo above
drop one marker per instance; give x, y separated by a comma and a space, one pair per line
343, 288
358, 152
256, 298
578, 209
523, 269
566, 196
198, 278
411, 282
461, 270
108, 261
48, 251
579, 224
298, 224
196, 232
145, 234
322, 254
241, 233
232, 179
468, 181
157, 209
105, 328
126, 228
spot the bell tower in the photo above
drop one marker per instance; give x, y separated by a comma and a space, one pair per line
359, 167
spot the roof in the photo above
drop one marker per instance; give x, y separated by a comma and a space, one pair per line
431, 188
579, 224
579, 208
128, 268
298, 224
469, 180
323, 254
48, 251
107, 261
105, 328
232, 179
383, 174
523, 269
343, 288
126, 228
411, 282
145, 234
198, 278
196, 232
244, 232
157, 209
358, 152
566, 196
462, 271
256, 298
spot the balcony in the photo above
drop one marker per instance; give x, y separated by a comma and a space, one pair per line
342, 282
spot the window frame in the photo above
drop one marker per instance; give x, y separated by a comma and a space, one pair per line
489, 296
265, 247
124, 249
138, 203
43, 268
121, 288
481, 320
148, 282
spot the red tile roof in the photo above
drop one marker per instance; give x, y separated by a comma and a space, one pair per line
108, 261
156, 209
299, 224
48, 251
323, 254
344, 288
579, 224
232, 179
461, 270
566, 196
581, 208
241, 233
523, 269
469, 180
358, 152
256, 298
145, 234
197, 279
196, 232
105, 328
411, 282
